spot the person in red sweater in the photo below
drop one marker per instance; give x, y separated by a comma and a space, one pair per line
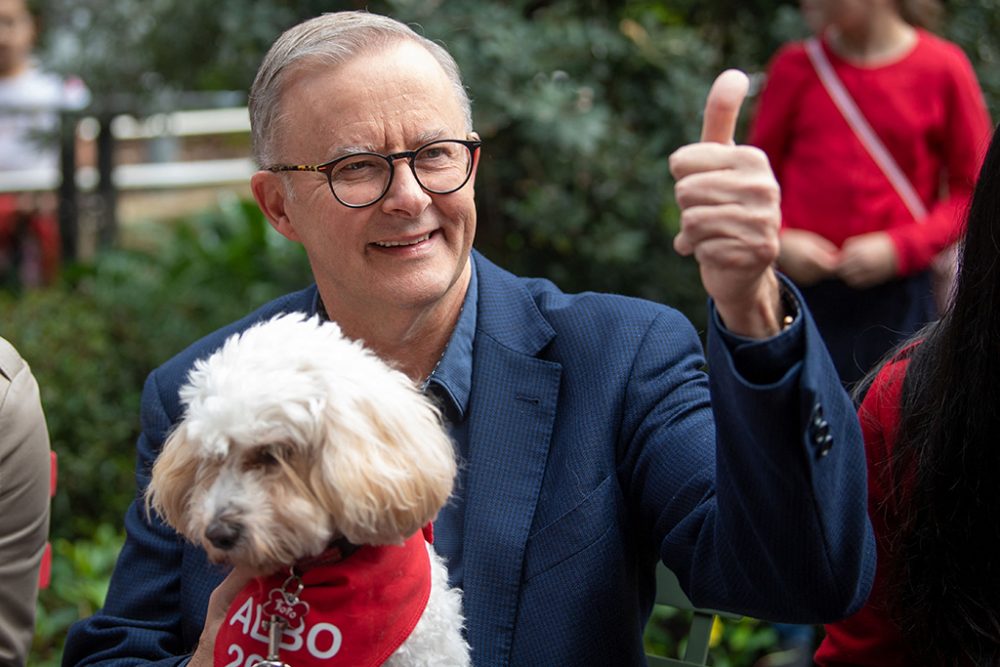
930, 430
847, 238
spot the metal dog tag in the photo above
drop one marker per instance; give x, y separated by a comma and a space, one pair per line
282, 609
276, 628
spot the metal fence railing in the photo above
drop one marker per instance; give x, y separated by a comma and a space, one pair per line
161, 165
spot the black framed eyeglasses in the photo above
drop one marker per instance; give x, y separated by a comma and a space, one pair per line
361, 179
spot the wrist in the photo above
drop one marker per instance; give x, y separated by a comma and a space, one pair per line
764, 314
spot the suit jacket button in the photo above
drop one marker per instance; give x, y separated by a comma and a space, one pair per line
825, 442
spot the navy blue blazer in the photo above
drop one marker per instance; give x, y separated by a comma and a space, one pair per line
598, 445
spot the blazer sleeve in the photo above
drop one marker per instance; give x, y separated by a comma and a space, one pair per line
24, 502
757, 492
141, 622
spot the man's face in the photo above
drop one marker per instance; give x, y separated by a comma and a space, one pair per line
409, 249
17, 36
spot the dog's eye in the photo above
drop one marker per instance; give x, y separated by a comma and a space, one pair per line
266, 457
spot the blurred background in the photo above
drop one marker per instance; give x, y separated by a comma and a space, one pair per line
156, 241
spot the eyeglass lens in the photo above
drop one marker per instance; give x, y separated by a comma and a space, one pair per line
441, 167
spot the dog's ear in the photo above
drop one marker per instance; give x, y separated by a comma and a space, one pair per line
387, 465
173, 477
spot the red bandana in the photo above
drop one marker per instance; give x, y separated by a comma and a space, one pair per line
360, 610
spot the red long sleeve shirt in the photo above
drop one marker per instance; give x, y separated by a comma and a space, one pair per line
928, 110
870, 637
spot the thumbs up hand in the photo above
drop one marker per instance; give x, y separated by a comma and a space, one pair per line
730, 208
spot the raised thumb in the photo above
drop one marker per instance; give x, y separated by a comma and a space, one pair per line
722, 107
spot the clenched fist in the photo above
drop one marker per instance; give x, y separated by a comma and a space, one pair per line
730, 215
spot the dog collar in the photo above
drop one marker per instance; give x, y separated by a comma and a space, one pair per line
338, 550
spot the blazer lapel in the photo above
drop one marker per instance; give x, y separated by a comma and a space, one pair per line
512, 412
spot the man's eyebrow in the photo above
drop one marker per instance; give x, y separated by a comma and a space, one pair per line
340, 151
433, 135
420, 140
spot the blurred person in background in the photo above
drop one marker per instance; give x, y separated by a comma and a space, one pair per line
930, 420
25, 470
861, 253
30, 104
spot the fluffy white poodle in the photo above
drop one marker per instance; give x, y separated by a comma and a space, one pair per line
303, 456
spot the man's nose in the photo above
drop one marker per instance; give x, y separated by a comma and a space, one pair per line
405, 196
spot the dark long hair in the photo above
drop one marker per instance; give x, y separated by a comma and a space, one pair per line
944, 570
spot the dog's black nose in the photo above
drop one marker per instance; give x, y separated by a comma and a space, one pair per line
223, 534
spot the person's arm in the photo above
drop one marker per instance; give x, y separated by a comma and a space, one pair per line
160, 591
784, 534
966, 133
24, 503
751, 480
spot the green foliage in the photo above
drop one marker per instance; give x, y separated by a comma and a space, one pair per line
90, 397
735, 642
975, 26
81, 572
147, 47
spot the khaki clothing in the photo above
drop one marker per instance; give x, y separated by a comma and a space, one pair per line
24, 503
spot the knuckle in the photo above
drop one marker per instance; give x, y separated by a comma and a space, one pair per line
687, 220
765, 191
675, 163
754, 156
682, 193
767, 251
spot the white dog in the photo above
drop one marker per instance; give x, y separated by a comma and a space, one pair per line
303, 456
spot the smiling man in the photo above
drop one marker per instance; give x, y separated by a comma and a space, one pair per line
592, 443
390, 257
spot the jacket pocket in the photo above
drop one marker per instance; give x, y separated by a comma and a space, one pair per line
576, 530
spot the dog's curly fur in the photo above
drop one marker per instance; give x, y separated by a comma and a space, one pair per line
294, 436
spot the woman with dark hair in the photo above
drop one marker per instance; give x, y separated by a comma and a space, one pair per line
931, 421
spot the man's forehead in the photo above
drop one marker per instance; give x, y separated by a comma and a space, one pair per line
373, 102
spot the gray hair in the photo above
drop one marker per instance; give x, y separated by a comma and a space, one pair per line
331, 39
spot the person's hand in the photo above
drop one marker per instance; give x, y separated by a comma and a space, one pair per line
730, 215
867, 260
218, 604
807, 257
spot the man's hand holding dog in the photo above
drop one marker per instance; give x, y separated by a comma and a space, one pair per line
218, 604
730, 215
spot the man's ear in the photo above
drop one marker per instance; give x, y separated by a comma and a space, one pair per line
474, 136
269, 190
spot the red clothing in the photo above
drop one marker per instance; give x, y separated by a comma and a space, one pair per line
36, 236
928, 110
357, 611
870, 637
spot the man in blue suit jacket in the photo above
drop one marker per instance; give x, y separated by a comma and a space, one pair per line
593, 443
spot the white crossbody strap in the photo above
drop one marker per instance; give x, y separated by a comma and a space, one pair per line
845, 103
